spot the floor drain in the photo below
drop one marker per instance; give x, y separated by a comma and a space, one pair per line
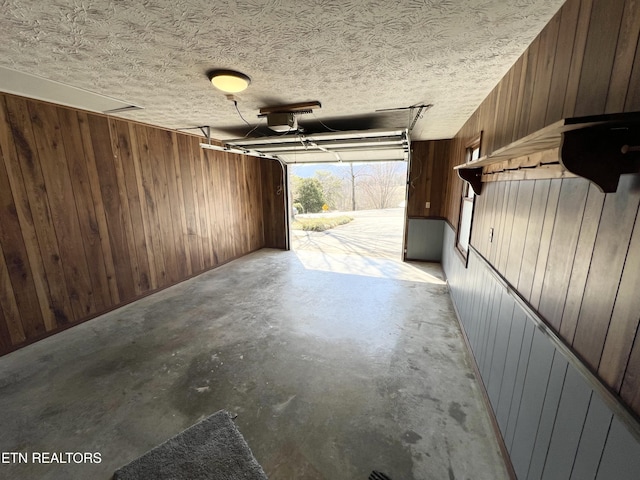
378, 476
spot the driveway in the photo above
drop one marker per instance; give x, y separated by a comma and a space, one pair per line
372, 233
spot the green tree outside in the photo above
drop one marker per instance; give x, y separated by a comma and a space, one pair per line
309, 194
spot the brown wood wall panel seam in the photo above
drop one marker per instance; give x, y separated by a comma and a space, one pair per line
139, 218
610, 251
146, 189
97, 205
562, 61
632, 100
533, 238
74, 147
598, 57
625, 318
507, 224
110, 191
22, 252
64, 215
528, 88
100, 214
22, 124
624, 56
564, 241
10, 322
122, 159
544, 71
520, 228
629, 390
577, 56
190, 205
580, 268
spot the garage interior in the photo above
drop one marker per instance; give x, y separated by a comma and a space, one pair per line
146, 280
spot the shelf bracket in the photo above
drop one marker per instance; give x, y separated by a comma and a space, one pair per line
602, 153
473, 176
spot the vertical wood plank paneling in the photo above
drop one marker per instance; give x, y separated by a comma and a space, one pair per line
548, 416
157, 150
625, 319
90, 232
199, 166
564, 240
527, 88
562, 61
176, 205
625, 54
594, 435
632, 102
189, 193
519, 231
125, 152
62, 204
500, 207
569, 423
96, 211
22, 130
153, 232
518, 389
580, 270
507, 224
144, 231
629, 390
507, 390
533, 237
62, 207
499, 357
621, 457
184, 237
273, 204
26, 307
577, 56
535, 385
110, 191
544, 70
612, 242
11, 329
101, 217
512, 104
5, 336
606, 17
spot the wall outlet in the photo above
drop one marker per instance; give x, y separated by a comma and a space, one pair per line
491, 235
427, 205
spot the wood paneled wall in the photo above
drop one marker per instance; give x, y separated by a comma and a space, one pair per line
555, 423
571, 251
428, 178
96, 212
274, 204
586, 61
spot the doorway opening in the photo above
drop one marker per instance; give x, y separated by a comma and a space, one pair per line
354, 208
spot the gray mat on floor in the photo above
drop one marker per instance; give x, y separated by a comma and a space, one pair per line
211, 449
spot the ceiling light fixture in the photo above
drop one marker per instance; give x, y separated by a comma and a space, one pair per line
229, 81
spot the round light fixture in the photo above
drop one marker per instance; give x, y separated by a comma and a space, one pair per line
229, 81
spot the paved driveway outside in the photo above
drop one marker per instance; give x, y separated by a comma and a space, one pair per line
372, 233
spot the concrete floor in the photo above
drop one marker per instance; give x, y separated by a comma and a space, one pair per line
335, 364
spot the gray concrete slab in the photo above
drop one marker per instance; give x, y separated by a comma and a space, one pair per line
335, 365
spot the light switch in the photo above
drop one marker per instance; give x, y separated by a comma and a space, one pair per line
427, 205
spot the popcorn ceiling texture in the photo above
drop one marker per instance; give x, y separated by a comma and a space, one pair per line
354, 56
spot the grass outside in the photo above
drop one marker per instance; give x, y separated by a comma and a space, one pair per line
319, 224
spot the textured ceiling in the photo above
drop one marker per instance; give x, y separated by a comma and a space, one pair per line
353, 56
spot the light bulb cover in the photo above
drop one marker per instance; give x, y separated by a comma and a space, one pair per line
229, 81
